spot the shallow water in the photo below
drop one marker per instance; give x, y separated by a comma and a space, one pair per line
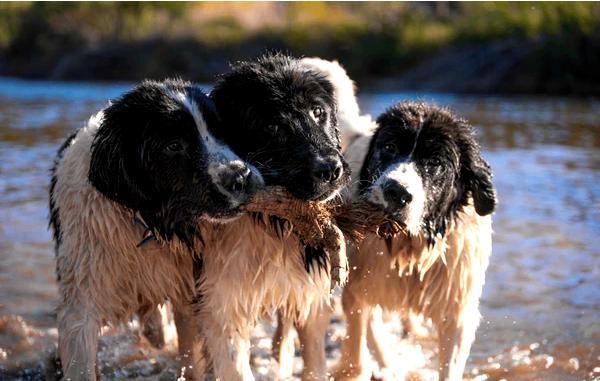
541, 302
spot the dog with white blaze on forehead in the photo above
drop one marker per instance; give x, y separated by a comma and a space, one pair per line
133, 195
424, 168
281, 117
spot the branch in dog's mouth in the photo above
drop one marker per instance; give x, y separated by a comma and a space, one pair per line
323, 225
357, 219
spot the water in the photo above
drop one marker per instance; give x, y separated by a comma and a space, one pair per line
541, 303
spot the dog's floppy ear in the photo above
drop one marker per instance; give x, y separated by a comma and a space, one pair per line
112, 161
364, 180
478, 176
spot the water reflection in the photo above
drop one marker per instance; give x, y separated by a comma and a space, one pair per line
541, 303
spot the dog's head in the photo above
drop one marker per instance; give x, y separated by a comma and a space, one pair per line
153, 153
422, 166
280, 115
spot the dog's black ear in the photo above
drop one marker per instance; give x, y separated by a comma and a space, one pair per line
479, 182
112, 168
366, 179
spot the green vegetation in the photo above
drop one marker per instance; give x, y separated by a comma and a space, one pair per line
372, 39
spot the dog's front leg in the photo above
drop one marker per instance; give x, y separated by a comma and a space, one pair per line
455, 339
312, 338
354, 346
151, 324
229, 348
283, 346
378, 343
376, 340
190, 342
78, 343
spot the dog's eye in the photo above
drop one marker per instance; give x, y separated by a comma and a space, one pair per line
390, 148
174, 147
434, 162
317, 112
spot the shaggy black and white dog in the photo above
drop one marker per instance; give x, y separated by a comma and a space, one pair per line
280, 116
424, 167
128, 197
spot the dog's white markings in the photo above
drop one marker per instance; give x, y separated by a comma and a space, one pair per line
406, 174
221, 158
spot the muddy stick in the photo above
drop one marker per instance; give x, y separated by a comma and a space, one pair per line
324, 225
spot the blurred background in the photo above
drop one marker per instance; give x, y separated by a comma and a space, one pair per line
526, 75
479, 47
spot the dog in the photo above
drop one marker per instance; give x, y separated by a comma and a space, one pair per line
424, 167
130, 194
352, 124
279, 116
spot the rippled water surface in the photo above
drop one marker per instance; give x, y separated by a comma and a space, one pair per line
541, 303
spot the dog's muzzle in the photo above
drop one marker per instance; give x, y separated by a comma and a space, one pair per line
236, 179
399, 191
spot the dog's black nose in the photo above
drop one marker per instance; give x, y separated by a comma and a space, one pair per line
240, 182
328, 170
396, 194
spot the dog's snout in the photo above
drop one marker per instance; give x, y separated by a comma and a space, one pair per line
236, 181
396, 194
239, 181
328, 170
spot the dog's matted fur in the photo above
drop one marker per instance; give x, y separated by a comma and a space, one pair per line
424, 168
126, 195
281, 117
351, 124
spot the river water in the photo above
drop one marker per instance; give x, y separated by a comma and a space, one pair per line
541, 302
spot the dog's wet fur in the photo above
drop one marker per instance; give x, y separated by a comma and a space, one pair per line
441, 154
148, 155
423, 167
280, 115
146, 166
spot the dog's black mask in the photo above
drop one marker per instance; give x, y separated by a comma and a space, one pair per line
149, 155
422, 165
281, 117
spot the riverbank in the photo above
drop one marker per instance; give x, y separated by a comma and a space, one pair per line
524, 48
503, 67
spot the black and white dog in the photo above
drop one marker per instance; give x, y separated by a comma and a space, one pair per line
280, 116
424, 167
129, 198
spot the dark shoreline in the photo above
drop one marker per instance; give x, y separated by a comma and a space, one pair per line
502, 67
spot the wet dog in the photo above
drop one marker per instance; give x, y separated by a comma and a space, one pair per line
129, 195
352, 124
281, 117
424, 167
